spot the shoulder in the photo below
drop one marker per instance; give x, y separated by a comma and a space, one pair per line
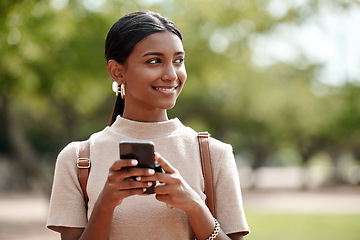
219, 146
68, 156
222, 155
69, 151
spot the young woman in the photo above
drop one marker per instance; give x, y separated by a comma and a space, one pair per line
145, 56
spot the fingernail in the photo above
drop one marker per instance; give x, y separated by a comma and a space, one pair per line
134, 162
138, 179
151, 171
149, 184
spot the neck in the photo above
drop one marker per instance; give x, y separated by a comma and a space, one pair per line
146, 116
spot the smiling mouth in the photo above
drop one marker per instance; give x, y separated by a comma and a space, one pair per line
166, 89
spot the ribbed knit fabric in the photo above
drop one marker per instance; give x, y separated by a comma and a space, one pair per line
143, 217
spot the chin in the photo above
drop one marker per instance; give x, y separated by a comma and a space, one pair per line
168, 106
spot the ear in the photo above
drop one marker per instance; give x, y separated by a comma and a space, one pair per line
115, 71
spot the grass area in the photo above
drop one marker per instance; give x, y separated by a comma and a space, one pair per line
287, 226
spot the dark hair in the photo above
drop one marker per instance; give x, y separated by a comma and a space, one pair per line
126, 33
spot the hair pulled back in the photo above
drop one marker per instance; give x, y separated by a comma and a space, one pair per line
126, 33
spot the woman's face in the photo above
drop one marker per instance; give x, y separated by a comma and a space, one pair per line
154, 75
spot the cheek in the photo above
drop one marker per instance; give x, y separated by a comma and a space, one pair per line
182, 75
140, 77
149, 74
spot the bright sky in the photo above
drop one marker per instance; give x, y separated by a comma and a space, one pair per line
331, 37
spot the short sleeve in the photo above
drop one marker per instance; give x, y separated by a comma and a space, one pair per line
229, 204
67, 206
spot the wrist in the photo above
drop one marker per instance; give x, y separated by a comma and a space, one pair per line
105, 203
216, 231
202, 222
196, 208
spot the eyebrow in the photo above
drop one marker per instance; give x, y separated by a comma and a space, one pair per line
161, 54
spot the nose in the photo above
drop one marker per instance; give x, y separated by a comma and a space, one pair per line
169, 73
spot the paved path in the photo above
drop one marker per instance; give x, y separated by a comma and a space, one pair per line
23, 216
330, 201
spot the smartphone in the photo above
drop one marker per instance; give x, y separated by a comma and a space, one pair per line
143, 152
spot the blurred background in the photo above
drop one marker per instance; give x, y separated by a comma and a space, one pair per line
277, 79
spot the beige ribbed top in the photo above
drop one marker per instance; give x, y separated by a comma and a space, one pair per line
143, 217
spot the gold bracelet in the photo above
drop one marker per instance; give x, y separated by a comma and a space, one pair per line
215, 232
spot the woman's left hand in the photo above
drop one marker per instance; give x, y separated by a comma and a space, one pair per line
177, 193
174, 190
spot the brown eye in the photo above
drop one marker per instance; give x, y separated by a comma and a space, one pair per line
179, 60
153, 61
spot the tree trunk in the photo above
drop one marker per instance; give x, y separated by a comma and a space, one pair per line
27, 169
336, 174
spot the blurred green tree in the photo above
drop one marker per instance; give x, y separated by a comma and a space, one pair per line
54, 87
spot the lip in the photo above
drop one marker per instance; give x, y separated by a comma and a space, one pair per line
166, 89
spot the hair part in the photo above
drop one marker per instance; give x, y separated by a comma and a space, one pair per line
126, 33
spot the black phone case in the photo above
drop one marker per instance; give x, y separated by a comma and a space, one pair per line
144, 153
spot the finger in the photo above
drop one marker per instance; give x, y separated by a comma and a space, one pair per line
117, 165
130, 184
166, 166
165, 189
136, 172
164, 198
131, 192
161, 177
128, 172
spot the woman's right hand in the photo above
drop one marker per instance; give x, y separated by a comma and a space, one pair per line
118, 187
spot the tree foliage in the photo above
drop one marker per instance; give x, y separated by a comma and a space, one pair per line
54, 87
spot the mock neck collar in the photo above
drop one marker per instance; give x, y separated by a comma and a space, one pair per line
145, 130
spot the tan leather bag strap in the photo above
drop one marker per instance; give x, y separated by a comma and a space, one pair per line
203, 138
83, 164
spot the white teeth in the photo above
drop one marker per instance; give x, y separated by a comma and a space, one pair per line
165, 89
